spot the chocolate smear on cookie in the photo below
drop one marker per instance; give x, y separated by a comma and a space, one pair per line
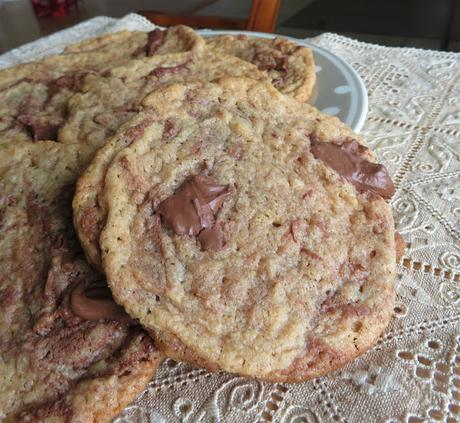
345, 159
154, 41
192, 210
72, 81
170, 70
95, 302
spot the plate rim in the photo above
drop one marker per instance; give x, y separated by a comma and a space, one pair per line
351, 76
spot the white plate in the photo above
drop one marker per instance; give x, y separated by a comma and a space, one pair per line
339, 90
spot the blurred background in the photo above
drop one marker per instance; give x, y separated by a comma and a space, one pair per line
432, 24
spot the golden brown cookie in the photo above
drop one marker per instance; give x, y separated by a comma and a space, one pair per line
248, 232
68, 351
290, 66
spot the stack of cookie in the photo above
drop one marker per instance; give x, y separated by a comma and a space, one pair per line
221, 221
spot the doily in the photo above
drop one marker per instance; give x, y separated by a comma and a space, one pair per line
413, 373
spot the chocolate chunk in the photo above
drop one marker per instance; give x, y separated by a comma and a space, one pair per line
154, 41
193, 208
211, 239
345, 159
95, 302
204, 213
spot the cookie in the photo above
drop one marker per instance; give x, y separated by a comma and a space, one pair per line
34, 96
68, 351
289, 65
248, 232
136, 44
110, 101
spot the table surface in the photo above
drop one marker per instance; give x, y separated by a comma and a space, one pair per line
413, 373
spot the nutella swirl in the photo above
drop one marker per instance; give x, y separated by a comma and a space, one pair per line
155, 40
345, 159
95, 302
193, 208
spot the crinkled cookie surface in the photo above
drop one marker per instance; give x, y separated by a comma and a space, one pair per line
34, 96
235, 240
68, 352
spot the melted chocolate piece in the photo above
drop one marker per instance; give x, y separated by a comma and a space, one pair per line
193, 208
154, 41
95, 302
346, 161
211, 239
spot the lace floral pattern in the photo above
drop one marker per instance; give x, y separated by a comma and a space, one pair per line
413, 373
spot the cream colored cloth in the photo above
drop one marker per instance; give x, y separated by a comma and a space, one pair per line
413, 373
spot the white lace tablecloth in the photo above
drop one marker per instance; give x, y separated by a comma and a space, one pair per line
413, 373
